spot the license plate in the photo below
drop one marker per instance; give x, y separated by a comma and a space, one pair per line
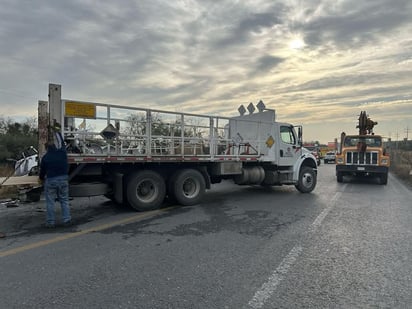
361, 168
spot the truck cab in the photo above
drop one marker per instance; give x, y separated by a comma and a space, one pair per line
279, 147
362, 155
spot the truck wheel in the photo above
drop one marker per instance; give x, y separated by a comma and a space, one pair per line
383, 179
188, 187
145, 190
307, 179
339, 177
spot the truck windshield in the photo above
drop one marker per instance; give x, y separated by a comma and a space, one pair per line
369, 141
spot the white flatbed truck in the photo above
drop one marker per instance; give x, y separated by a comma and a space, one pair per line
138, 156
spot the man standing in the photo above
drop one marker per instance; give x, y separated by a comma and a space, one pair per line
54, 174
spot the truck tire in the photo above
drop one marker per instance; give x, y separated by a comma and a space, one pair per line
339, 177
307, 179
187, 187
383, 179
145, 190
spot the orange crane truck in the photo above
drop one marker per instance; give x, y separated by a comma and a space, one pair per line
362, 154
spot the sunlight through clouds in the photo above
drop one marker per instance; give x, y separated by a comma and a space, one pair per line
297, 43
318, 63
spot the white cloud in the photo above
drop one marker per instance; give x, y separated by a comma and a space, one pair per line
211, 56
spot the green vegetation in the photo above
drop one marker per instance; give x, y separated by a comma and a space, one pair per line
16, 137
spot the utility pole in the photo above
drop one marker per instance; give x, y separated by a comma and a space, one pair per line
397, 138
407, 130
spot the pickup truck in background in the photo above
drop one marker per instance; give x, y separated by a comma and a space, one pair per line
330, 156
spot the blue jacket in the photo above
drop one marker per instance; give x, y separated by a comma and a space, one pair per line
54, 163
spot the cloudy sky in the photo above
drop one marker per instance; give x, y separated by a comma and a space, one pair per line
317, 62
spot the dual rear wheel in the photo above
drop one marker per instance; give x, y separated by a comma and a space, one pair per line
146, 190
187, 187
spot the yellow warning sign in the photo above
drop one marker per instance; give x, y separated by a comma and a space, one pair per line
80, 110
270, 141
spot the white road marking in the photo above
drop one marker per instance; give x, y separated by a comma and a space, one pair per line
269, 287
318, 221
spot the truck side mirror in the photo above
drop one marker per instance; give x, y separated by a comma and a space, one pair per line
300, 135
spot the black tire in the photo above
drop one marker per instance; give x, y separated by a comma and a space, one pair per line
187, 187
339, 177
145, 190
307, 179
383, 179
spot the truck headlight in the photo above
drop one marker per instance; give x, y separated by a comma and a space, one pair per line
384, 161
339, 160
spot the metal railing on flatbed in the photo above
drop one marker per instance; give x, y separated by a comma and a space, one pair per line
104, 132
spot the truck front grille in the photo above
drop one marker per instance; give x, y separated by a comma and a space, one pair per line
365, 158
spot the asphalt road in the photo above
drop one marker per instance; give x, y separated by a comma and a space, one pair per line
342, 246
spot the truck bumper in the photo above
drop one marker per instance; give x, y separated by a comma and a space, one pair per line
361, 169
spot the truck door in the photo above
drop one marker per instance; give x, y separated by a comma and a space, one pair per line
289, 148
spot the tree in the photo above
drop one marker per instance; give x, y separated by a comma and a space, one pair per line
16, 137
